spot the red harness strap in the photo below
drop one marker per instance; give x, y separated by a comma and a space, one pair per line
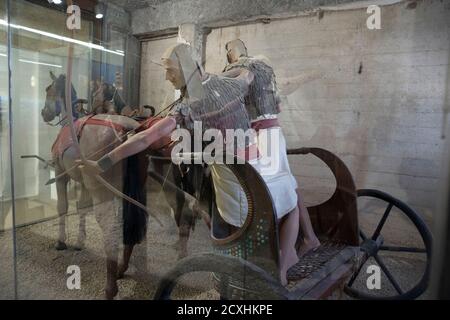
64, 138
106, 123
147, 123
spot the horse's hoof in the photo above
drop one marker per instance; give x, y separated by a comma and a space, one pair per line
60, 246
121, 272
110, 293
182, 254
78, 247
175, 245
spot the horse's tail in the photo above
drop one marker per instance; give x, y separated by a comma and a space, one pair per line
134, 218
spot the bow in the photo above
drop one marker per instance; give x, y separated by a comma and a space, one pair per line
68, 100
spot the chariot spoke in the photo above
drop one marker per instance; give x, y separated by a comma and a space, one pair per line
388, 274
356, 274
382, 221
403, 249
362, 235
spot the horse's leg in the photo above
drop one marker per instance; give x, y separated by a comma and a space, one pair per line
123, 267
135, 178
183, 232
107, 214
111, 288
182, 214
176, 201
62, 207
83, 207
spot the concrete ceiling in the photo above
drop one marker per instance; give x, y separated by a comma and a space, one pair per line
131, 5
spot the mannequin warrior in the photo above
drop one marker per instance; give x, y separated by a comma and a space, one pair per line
263, 105
218, 102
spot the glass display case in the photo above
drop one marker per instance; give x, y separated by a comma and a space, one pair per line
363, 111
7, 239
35, 37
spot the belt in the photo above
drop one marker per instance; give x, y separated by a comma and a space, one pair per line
265, 124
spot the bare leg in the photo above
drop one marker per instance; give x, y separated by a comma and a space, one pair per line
127, 251
62, 206
310, 240
288, 237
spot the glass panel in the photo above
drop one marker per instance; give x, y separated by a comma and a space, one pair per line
39, 58
6, 211
103, 67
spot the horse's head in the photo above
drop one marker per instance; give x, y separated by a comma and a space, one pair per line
105, 97
54, 99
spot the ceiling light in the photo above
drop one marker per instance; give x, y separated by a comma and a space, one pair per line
99, 10
58, 37
40, 63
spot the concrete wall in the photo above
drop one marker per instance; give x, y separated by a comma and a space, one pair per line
379, 104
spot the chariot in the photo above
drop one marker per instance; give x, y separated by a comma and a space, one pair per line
245, 263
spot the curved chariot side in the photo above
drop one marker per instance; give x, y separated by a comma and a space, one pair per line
245, 262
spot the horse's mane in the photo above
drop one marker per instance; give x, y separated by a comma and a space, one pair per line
60, 87
111, 93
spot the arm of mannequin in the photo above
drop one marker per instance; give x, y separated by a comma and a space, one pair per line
291, 84
241, 74
135, 144
233, 73
245, 78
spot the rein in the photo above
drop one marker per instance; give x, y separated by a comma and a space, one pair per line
58, 123
114, 95
170, 106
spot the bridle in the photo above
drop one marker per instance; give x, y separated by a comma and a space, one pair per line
57, 123
57, 111
114, 95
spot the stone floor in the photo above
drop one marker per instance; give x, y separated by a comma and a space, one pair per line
41, 270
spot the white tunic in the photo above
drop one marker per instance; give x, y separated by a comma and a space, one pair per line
272, 165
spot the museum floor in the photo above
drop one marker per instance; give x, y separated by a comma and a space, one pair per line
41, 270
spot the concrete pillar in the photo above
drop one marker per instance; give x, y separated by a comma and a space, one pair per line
117, 32
194, 35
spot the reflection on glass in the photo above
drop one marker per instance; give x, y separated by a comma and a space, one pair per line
39, 48
39, 62
6, 213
